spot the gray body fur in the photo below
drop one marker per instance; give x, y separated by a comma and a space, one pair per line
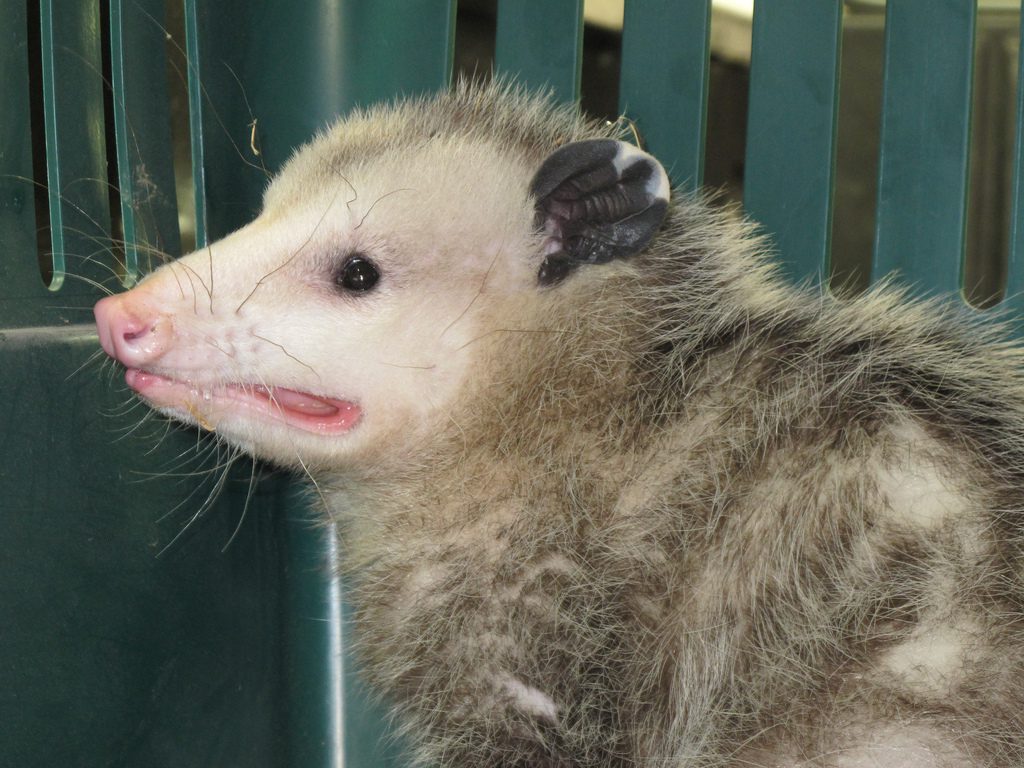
683, 514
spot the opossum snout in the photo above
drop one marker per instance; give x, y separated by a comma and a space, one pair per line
131, 337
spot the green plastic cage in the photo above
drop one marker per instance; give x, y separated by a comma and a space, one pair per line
132, 634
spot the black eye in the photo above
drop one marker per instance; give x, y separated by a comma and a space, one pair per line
357, 275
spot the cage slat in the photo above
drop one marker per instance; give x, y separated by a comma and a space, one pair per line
664, 82
142, 128
196, 121
419, 40
76, 153
925, 143
21, 284
541, 44
791, 129
1014, 296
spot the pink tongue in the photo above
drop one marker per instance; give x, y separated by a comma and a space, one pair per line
291, 400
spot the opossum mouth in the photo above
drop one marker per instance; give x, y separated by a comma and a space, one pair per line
205, 405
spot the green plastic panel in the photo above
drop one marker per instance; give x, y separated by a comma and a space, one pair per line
141, 109
23, 295
115, 651
791, 129
124, 624
664, 82
925, 142
540, 43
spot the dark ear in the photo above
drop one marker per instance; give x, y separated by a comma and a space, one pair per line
597, 200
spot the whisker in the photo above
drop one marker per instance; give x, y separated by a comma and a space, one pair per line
88, 361
511, 330
245, 506
430, 367
89, 281
288, 354
211, 498
295, 253
374, 204
252, 122
479, 291
199, 277
209, 251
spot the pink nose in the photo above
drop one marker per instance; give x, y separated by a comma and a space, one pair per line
130, 333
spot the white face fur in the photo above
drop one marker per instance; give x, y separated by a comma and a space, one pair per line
346, 318
229, 336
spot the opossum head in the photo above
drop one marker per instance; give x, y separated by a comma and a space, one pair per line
352, 318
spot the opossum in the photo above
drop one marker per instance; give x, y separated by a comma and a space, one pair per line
611, 492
